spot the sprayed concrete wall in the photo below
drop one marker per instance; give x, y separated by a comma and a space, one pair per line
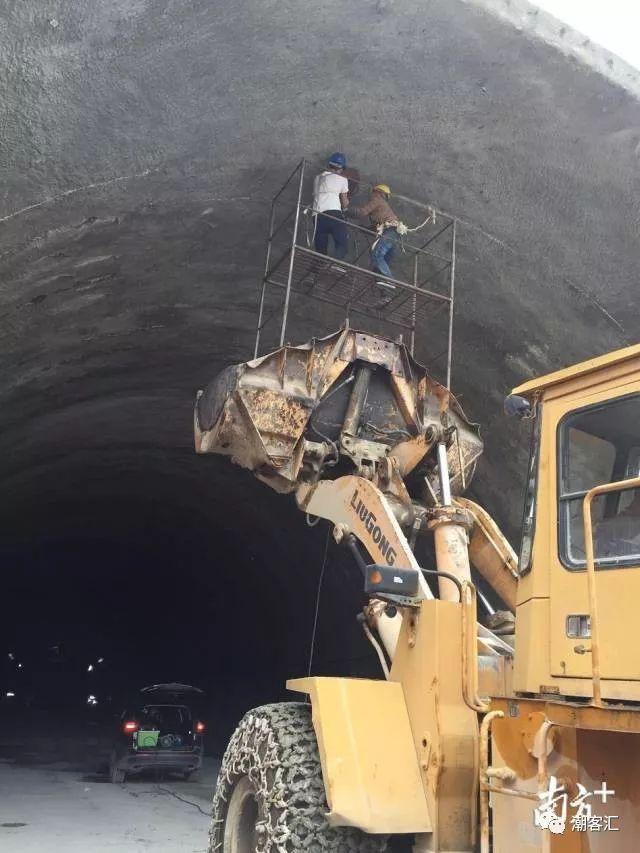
141, 143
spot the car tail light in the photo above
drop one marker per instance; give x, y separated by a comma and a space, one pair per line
129, 727
200, 727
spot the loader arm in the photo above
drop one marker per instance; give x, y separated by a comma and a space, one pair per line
355, 505
366, 439
491, 554
425, 700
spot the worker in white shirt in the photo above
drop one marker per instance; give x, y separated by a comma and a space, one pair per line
330, 199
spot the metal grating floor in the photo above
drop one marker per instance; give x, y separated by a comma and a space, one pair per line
354, 289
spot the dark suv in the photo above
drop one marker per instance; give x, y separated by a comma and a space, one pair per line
159, 730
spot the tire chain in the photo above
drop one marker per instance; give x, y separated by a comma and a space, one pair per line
275, 747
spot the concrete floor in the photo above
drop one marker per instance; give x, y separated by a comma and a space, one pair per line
56, 806
55, 794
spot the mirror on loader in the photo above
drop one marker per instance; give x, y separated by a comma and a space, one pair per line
517, 407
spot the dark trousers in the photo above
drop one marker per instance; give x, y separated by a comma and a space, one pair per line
337, 228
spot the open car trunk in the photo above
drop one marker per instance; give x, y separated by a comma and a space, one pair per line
163, 727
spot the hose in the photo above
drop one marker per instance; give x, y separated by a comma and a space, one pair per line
387, 433
336, 453
317, 606
308, 211
315, 429
446, 575
376, 645
430, 218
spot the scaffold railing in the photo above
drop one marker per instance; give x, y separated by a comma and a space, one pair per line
418, 299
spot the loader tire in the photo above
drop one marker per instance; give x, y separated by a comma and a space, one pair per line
270, 794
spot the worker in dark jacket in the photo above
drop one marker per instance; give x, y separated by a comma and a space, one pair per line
385, 222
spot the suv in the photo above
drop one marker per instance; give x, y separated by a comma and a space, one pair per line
160, 730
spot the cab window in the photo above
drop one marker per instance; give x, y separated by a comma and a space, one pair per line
600, 444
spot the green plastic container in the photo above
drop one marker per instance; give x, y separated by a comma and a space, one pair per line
148, 739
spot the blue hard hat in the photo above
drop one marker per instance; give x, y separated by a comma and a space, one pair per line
338, 159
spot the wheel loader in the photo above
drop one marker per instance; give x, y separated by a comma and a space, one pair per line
513, 732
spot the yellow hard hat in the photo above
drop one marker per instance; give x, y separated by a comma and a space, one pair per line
384, 188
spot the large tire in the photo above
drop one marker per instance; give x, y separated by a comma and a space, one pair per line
270, 794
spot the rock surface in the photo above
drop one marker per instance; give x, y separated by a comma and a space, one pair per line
142, 142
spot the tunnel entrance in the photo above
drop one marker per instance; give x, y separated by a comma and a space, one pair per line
200, 576
165, 567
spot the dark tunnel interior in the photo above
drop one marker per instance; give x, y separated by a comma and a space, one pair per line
171, 568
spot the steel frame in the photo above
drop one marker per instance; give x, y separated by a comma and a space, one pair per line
299, 269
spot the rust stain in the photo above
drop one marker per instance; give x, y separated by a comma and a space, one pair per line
508, 734
274, 412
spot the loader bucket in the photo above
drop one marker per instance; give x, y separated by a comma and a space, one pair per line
282, 416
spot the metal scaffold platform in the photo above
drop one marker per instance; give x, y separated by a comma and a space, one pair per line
418, 299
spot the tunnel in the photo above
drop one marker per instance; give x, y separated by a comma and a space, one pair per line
145, 140
173, 568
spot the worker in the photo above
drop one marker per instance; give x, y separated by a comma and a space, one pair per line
330, 200
384, 220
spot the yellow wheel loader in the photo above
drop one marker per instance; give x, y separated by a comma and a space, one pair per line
514, 735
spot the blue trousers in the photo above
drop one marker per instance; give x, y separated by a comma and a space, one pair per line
383, 252
337, 229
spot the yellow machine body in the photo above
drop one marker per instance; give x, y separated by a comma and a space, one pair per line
547, 661
372, 776
403, 753
545, 720
573, 713
583, 745
458, 745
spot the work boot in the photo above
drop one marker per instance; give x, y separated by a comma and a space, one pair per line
385, 294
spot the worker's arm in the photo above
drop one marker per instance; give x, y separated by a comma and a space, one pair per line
366, 209
344, 195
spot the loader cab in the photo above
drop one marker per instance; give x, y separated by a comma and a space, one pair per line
586, 434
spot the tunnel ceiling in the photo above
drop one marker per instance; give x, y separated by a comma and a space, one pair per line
142, 141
